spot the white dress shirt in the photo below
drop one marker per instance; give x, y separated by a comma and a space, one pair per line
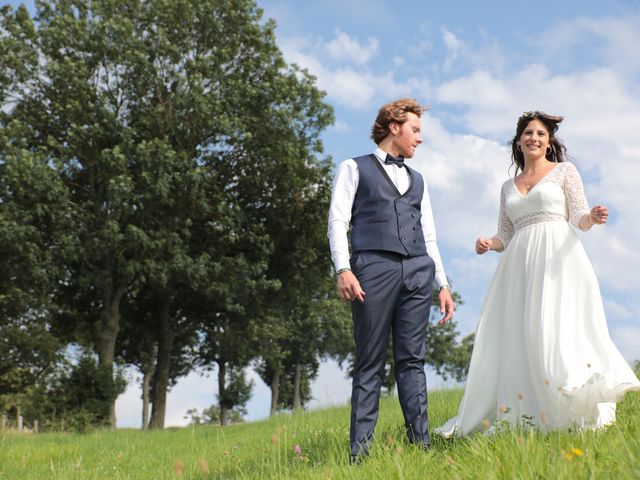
345, 186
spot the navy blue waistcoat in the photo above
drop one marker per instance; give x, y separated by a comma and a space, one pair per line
382, 218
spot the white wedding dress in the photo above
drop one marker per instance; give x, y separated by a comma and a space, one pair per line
542, 355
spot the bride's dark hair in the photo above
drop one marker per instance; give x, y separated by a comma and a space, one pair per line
557, 151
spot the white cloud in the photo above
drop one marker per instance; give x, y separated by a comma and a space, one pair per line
612, 40
464, 174
345, 48
341, 127
461, 55
295, 50
627, 339
350, 87
354, 86
619, 310
345, 86
398, 61
453, 45
598, 103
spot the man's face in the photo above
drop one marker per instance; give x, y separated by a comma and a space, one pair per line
407, 136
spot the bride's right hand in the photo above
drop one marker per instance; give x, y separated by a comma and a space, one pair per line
483, 245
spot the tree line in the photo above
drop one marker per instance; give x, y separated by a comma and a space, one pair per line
163, 203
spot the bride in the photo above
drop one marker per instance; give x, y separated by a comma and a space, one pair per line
542, 356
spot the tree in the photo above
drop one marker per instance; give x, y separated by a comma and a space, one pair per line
236, 393
171, 126
295, 316
31, 236
211, 416
161, 343
229, 344
63, 92
293, 344
263, 172
76, 395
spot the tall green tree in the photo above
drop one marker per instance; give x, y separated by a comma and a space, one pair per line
161, 344
31, 236
266, 172
169, 123
32, 229
65, 95
294, 322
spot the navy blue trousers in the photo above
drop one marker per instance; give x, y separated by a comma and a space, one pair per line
398, 300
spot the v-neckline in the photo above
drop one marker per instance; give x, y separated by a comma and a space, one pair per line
378, 164
515, 187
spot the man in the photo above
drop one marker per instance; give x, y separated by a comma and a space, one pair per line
389, 278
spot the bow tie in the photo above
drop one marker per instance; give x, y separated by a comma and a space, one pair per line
399, 161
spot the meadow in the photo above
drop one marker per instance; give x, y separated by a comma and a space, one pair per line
314, 445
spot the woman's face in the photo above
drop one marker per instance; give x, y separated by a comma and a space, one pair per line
534, 140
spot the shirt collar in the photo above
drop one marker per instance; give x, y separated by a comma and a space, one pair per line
380, 154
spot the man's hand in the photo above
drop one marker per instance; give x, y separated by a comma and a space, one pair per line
349, 287
446, 305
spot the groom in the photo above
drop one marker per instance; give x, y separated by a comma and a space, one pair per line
389, 277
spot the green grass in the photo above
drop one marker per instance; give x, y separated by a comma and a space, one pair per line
265, 450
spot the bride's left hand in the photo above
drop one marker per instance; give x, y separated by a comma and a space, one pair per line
599, 215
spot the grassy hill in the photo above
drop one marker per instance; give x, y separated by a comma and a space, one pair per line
315, 445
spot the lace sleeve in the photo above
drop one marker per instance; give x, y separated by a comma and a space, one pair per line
577, 204
505, 227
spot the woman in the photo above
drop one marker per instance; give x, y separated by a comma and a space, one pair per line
542, 356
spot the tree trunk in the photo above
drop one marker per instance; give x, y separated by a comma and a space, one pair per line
163, 364
146, 384
108, 333
297, 379
275, 391
222, 373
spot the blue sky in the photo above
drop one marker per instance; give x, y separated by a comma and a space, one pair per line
479, 65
